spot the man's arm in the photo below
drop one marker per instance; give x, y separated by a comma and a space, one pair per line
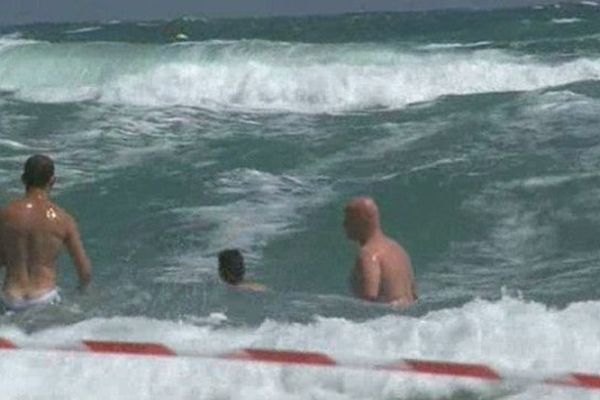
74, 245
369, 276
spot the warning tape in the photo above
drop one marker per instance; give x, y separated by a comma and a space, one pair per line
448, 369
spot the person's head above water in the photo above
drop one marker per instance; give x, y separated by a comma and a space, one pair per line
38, 172
231, 266
361, 220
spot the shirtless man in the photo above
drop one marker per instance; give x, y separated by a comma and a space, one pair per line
33, 230
383, 270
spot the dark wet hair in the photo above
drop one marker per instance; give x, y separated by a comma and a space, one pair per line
38, 171
231, 266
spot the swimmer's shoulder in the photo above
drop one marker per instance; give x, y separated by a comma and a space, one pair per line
251, 287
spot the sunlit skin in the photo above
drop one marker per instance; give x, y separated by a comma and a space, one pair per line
382, 271
250, 287
33, 230
243, 285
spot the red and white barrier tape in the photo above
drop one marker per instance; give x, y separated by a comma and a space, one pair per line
439, 368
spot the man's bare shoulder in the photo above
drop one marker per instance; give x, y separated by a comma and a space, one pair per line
12, 211
13, 205
63, 219
62, 213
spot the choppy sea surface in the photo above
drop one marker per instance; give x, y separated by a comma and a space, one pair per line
476, 132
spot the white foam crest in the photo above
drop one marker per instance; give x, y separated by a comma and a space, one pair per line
509, 335
537, 182
13, 40
55, 95
13, 144
83, 30
560, 21
438, 163
266, 76
438, 46
340, 87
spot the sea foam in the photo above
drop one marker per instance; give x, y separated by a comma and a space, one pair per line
510, 335
270, 76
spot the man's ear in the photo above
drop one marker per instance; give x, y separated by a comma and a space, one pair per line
52, 181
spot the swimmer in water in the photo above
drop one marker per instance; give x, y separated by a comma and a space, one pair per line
33, 230
232, 271
382, 271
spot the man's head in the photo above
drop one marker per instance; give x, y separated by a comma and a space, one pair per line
361, 220
231, 266
38, 172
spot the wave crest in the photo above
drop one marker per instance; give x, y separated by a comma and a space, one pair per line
269, 76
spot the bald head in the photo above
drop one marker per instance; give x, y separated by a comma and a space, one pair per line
363, 207
361, 221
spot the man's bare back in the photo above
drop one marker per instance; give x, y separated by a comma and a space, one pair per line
383, 270
33, 231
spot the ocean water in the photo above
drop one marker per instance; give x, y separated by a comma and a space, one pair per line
476, 132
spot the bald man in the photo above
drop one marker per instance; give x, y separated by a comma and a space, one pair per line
382, 271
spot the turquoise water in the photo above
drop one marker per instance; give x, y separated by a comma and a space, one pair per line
476, 132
